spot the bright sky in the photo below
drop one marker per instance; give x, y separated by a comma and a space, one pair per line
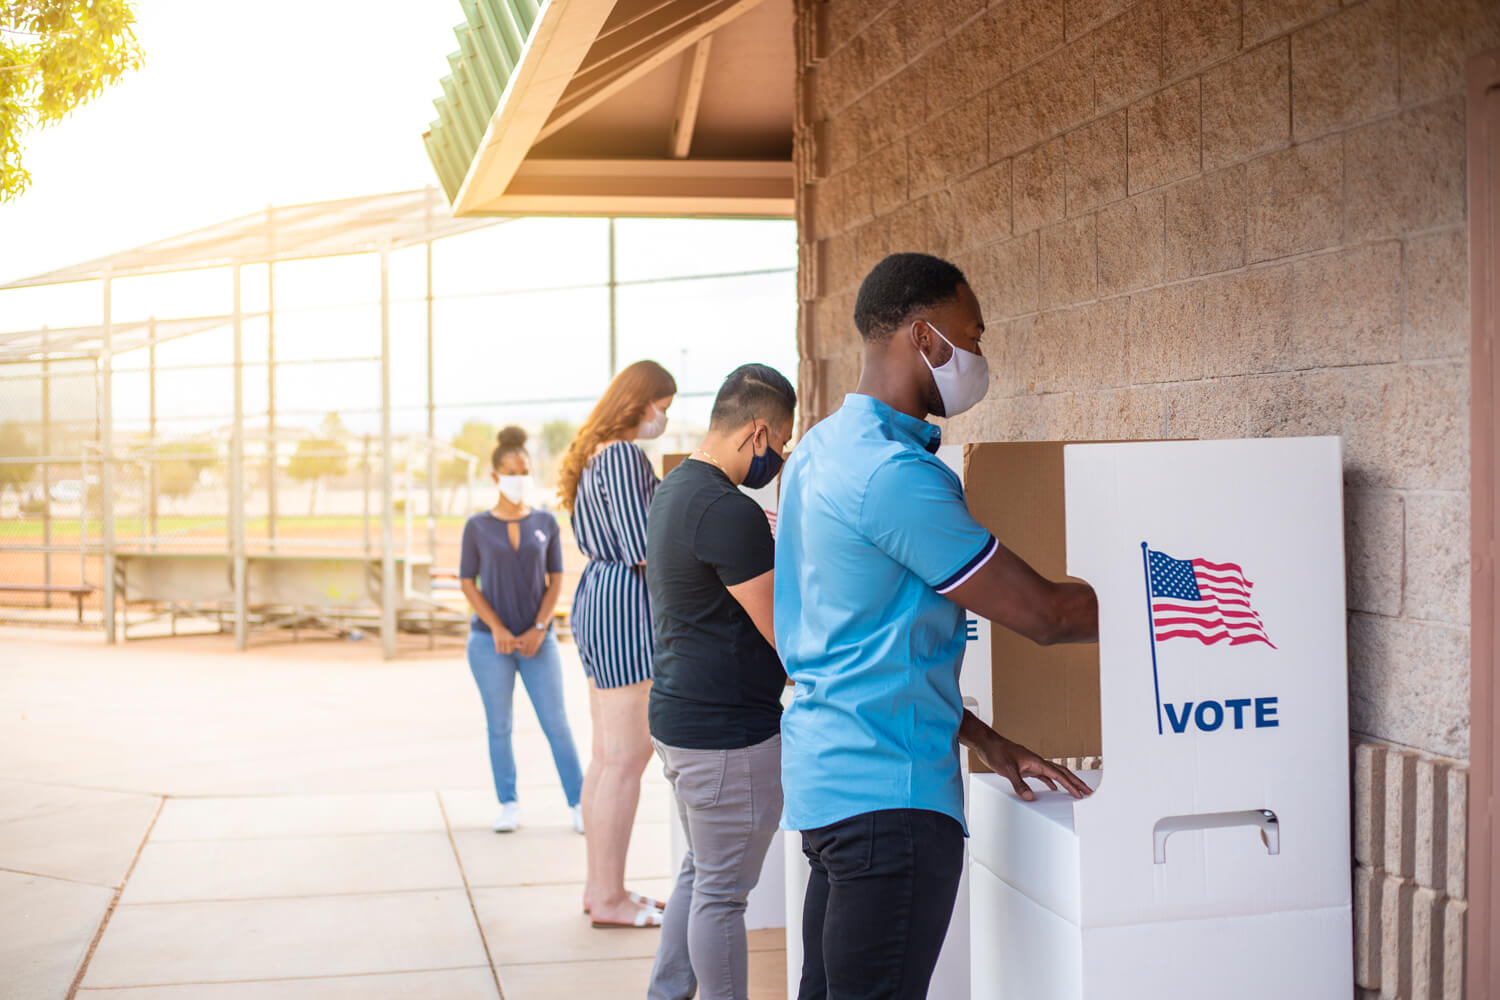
284, 102
237, 107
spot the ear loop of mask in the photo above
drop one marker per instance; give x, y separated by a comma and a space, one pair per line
752, 438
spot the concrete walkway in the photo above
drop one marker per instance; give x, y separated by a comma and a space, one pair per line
178, 820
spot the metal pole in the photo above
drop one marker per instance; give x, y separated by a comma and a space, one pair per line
83, 516
387, 471
407, 514
432, 484
237, 478
364, 476
107, 461
614, 360
46, 468
271, 446
153, 496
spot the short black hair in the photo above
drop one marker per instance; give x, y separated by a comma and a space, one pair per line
899, 286
752, 391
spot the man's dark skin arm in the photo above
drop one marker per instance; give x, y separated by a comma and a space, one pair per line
1010, 593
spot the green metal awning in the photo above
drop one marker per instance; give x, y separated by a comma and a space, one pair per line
491, 40
619, 107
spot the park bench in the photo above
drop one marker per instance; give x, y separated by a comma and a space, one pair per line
77, 591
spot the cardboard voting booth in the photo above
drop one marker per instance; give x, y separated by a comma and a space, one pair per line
1213, 860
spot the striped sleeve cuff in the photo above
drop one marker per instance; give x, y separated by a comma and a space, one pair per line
970, 568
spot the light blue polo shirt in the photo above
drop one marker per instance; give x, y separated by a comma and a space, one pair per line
872, 530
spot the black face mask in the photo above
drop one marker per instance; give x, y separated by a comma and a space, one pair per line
763, 467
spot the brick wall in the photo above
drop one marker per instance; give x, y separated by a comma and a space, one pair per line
1410, 831
1194, 218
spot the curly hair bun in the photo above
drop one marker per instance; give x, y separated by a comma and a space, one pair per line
511, 437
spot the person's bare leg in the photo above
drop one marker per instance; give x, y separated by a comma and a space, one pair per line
590, 785
626, 751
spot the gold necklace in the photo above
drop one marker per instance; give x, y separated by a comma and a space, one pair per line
706, 455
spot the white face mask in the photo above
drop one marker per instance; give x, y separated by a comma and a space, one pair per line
962, 380
654, 426
514, 488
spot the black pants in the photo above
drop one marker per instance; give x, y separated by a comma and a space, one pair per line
878, 904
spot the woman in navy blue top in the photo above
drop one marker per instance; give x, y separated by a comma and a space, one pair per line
606, 481
511, 573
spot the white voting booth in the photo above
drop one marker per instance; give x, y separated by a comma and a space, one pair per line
1214, 858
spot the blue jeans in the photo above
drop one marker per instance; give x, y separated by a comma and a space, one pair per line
542, 674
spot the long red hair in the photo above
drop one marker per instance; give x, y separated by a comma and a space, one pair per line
619, 411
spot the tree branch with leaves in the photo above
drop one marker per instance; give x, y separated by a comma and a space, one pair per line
55, 56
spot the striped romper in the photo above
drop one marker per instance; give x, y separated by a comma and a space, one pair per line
611, 611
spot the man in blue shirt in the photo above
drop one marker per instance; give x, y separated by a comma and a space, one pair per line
877, 559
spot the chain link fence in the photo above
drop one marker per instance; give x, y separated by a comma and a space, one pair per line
49, 491
472, 346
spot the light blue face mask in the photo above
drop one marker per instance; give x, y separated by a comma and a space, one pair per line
962, 380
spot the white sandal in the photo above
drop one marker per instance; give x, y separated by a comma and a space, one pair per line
639, 900
649, 916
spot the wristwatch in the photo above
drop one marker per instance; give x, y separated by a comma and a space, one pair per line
541, 626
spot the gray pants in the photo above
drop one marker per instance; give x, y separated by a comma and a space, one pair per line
730, 803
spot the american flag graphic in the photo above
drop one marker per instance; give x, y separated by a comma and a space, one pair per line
1198, 599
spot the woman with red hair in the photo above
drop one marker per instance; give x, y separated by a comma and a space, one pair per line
606, 482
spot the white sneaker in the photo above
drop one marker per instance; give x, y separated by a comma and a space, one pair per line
577, 812
509, 818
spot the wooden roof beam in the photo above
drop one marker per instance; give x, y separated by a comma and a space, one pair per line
689, 97
723, 188
575, 106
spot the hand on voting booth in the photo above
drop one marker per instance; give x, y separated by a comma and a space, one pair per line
1018, 764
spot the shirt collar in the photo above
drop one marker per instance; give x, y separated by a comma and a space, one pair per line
924, 435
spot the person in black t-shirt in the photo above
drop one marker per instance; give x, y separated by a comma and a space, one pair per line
715, 708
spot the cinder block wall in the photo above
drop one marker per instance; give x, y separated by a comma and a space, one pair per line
1202, 218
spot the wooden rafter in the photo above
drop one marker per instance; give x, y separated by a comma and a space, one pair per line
581, 100
689, 96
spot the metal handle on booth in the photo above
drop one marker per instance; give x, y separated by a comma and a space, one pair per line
1265, 819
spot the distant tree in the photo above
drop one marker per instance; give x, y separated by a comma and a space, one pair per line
14, 443
475, 438
557, 435
323, 456
180, 466
56, 55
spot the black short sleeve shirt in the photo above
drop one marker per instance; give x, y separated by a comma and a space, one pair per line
717, 682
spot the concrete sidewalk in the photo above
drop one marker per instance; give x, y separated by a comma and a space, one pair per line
177, 820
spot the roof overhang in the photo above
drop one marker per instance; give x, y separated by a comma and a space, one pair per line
288, 232
619, 107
